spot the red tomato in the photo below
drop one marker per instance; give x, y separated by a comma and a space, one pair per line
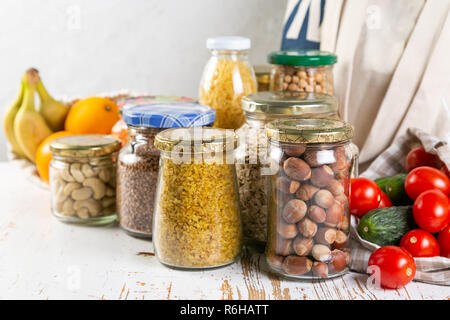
397, 267
420, 244
431, 211
444, 242
365, 195
385, 201
425, 178
445, 170
420, 158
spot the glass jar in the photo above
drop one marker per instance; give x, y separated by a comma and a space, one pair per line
262, 73
302, 70
308, 236
83, 178
138, 163
227, 77
251, 157
197, 222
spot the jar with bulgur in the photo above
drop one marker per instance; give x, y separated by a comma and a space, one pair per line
138, 163
252, 163
302, 70
197, 222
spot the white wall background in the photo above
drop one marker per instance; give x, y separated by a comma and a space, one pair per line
88, 47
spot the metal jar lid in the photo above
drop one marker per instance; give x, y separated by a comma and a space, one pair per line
196, 140
309, 131
290, 103
88, 145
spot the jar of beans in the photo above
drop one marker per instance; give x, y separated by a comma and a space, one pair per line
252, 165
308, 236
138, 162
302, 70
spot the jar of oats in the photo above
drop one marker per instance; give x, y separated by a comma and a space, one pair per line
83, 179
197, 222
138, 162
252, 164
302, 70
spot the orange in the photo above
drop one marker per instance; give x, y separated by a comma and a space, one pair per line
44, 155
92, 116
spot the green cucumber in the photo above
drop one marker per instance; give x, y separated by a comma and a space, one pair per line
387, 226
394, 187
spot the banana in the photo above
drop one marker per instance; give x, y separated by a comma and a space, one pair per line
8, 122
54, 112
30, 127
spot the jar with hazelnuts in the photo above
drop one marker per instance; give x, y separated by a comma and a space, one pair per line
308, 229
302, 70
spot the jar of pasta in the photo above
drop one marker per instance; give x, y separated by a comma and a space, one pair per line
83, 178
138, 164
252, 164
227, 77
308, 198
302, 70
197, 222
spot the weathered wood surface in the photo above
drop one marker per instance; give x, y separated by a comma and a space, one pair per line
45, 259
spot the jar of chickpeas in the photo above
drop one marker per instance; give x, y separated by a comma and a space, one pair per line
302, 70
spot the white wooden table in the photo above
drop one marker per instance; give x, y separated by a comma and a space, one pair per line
42, 258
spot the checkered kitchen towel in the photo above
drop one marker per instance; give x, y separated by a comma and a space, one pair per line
391, 162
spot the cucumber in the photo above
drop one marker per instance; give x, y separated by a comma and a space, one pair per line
387, 226
394, 187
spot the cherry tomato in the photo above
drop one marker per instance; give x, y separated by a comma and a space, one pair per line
365, 195
397, 267
445, 170
444, 242
385, 201
420, 158
425, 178
420, 244
431, 211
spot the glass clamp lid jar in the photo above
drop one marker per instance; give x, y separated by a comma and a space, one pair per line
197, 221
83, 178
251, 156
302, 70
138, 163
308, 198
227, 77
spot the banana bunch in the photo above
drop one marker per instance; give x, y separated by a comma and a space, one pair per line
25, 127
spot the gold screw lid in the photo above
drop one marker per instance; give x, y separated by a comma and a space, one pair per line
290, 103
309, 131
88, 145
196, 140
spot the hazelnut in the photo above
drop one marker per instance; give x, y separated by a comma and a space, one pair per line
321, 176
287, 231
341, 240
325, 236
297, 169
344, 224
320, 270
302, 246
295, 150
306, 192
321, 252
307, 228
292, 87
334, 215
335, 187
317, 214
342, 199
287, 185
324, 199
294, 211
283, 247
340, 163
275, 261
316, 158
339, 261
297, 266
